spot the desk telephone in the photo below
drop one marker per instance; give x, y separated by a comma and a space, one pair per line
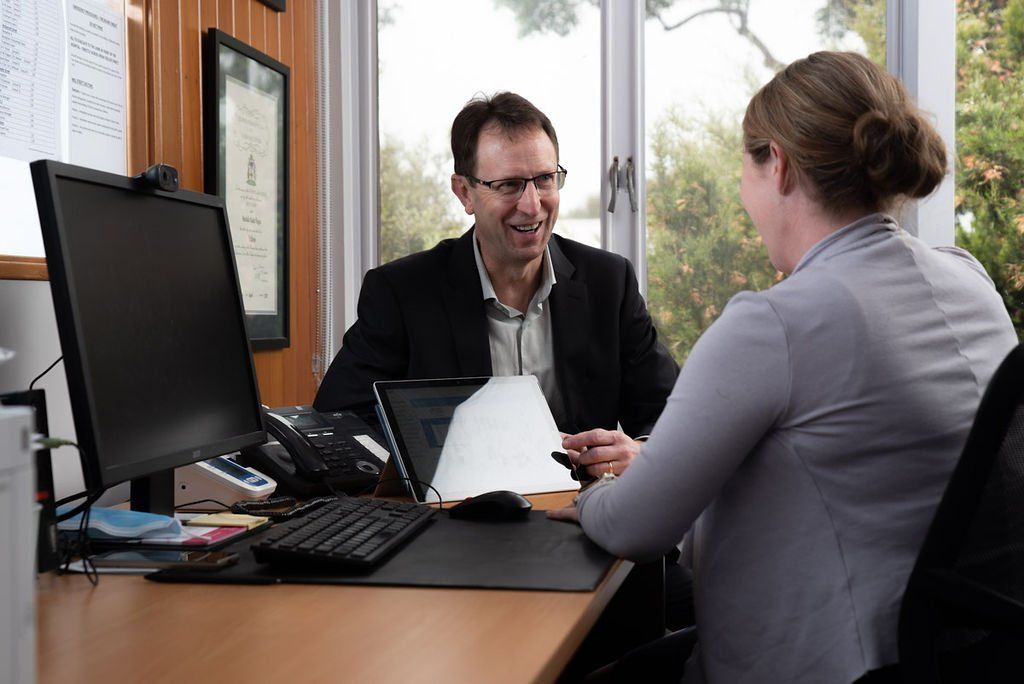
308, 450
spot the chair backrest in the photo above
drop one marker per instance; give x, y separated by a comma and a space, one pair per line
978, 529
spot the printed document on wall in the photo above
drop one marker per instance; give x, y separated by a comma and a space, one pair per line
31, 73
31, 66
96, 85
62, 96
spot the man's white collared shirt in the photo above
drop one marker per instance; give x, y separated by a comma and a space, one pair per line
523, 343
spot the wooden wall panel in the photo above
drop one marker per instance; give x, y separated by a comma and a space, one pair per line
225, 15
191, 50
23, 268
303, 183
164, 81
168, 91
242, 11
258, 27
170, 130
137, 28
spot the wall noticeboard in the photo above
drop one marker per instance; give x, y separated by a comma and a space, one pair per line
63, 87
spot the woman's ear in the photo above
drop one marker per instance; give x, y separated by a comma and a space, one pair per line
782, 172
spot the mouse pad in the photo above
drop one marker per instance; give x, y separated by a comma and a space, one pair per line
534, 554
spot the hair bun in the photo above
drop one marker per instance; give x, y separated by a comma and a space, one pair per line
898, 154
849, 129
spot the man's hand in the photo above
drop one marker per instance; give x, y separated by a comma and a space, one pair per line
601, 451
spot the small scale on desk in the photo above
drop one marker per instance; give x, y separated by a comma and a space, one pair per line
202, 484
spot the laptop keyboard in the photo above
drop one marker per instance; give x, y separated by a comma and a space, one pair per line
356, 532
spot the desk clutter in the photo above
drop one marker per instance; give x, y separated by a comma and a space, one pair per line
116, 523
109, 528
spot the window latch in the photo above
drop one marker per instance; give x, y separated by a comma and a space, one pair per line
631, 183
616, 181
613, 181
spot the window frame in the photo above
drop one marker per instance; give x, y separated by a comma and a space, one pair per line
349, 186
622, 132
934, 89
350, 212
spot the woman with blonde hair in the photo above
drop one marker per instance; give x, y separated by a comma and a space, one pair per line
814, 425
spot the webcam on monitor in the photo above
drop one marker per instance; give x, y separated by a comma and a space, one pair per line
159, 177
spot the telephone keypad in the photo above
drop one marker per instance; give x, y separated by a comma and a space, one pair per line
338, 455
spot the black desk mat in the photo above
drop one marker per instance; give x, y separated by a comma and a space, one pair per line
535, 554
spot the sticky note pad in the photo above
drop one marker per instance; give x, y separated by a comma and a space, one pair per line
228, 520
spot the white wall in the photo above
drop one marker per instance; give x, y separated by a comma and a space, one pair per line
28, 327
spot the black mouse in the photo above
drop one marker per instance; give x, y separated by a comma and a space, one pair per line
492, 506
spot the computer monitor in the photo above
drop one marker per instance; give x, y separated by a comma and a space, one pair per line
152, 327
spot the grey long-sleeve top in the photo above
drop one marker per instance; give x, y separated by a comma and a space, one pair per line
807, 442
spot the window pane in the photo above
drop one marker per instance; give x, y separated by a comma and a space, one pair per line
434, 57
701, 70
989, 161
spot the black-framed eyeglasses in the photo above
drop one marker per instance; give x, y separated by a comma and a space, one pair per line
512, 188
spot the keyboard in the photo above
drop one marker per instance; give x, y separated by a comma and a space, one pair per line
354, 532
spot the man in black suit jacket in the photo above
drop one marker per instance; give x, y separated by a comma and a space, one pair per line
568, 313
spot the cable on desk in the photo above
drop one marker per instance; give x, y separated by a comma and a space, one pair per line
260, 506
199, 501
296, 509
56, 443
265, 507
80, 544
440, 504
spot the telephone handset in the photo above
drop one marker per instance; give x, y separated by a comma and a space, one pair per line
308, 449
308, 462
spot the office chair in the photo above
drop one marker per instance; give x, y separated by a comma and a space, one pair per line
962, 617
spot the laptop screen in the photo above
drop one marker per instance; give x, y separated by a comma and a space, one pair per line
466, 436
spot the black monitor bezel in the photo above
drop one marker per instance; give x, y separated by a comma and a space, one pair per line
97, 475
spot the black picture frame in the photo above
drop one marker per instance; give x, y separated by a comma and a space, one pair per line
276, 5
235, 77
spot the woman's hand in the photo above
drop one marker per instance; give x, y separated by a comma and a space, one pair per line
569, 513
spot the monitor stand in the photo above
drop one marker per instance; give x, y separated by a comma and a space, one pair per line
154, 493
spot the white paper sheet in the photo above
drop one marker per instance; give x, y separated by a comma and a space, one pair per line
62, 96
502, 438
31, 66
96, 86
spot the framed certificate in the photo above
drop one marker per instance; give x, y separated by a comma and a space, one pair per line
246, 163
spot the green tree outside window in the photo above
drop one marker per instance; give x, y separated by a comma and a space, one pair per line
702, 248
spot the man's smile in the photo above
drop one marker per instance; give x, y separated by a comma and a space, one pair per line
527, 228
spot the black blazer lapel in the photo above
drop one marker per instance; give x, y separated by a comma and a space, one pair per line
464, 302
570, 324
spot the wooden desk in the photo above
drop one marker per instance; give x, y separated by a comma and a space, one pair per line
131, 630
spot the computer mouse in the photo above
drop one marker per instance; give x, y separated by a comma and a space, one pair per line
496, 506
